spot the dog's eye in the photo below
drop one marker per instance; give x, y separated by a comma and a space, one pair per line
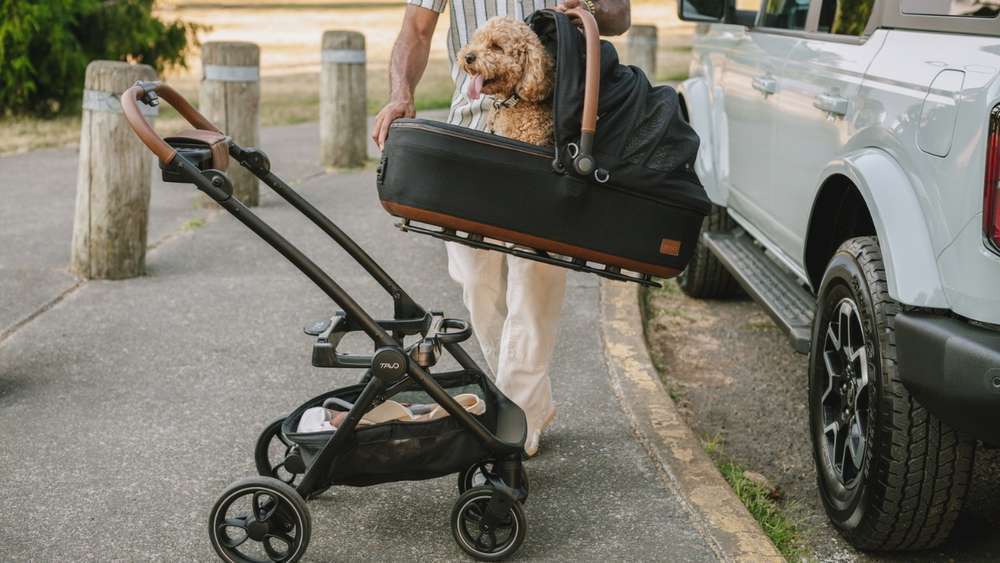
494, 46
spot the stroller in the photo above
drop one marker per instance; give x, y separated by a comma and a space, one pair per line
265, 518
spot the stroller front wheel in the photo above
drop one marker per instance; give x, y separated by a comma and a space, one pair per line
486, 536
260, 520
484, 474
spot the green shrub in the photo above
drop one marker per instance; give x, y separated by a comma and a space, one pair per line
45, 46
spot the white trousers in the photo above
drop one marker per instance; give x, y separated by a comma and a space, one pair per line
514, 306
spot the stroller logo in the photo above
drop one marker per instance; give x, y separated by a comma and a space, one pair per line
389, 365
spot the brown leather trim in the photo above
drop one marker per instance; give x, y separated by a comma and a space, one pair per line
187, 111
670, 247
142, 128
145, 131
216, 141
592, 79
507, 235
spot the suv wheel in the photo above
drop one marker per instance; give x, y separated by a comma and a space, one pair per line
705, 277
891, 475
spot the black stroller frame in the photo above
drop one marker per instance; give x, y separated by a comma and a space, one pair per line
488, 520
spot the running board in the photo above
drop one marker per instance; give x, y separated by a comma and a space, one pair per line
776, 290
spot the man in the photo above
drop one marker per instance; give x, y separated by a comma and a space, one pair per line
514, 303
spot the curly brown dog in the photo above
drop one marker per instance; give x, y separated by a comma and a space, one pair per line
506, 60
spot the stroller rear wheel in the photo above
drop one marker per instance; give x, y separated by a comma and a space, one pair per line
260, 520
276, 456
484, 536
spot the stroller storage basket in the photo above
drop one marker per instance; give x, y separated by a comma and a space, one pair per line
482, 184
408, 451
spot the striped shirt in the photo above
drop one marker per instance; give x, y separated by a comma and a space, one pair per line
466, 17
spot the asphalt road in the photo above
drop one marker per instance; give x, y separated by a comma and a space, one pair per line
734, 375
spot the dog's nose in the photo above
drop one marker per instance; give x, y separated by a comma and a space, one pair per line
470, 58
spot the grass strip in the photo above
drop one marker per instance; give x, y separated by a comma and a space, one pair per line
759, 502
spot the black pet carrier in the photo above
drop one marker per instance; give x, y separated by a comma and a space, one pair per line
617, 192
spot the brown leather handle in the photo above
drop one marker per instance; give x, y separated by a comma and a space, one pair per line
592, 78
142, 128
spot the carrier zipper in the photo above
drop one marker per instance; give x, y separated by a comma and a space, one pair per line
540, 153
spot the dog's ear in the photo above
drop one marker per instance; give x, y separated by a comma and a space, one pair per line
536, 74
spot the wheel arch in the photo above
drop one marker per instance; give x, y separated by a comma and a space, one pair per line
696, 107
871, 194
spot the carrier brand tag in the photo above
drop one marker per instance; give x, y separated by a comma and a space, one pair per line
231, 73
95, 100
670, 247
344, 56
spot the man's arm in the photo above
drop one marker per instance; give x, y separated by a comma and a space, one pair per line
614, 17
409, 59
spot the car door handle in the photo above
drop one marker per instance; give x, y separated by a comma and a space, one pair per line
764, 84
831, 103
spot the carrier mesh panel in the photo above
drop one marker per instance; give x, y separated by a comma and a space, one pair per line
651, 125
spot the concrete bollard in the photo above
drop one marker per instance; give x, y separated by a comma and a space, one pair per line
230, 98
113, 181
642, 44
343, 115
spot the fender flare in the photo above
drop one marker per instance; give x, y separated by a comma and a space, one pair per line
697, 102
910, 263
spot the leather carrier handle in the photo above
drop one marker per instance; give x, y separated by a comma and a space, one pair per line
583, 161
148, 92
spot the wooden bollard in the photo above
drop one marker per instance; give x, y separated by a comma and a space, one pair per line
113, 181
343, 116
230, 98
642, 44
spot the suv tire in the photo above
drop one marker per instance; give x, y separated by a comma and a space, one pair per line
705, 277
891, 475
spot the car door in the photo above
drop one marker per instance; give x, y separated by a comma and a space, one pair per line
819, 86
745, 133
752, 86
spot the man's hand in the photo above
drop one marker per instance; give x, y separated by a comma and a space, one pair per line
406, 66
567, 5
614, 17
391, 112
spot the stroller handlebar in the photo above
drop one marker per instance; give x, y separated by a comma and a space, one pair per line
149, 93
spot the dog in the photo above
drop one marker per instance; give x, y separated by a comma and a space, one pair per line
507, 61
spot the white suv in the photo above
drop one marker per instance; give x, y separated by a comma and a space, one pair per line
852, 148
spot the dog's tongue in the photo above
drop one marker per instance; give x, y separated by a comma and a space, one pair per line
475, 87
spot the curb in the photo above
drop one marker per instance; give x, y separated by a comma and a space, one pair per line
684, 467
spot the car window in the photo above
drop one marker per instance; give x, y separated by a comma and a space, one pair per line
786, 14
966, 8
844, 17
746, 12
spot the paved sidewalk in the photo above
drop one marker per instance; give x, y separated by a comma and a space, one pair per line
129, 406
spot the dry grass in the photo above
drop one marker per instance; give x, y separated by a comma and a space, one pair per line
289, 34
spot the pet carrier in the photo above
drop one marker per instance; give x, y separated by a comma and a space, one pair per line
616, 192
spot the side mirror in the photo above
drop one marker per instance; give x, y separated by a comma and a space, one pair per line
710, 11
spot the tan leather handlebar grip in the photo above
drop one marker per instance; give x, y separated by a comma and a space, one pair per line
592, 78
146, 133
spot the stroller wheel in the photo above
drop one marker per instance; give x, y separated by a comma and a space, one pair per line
475, 476
480, 475
481, 536
259, 520
276, 456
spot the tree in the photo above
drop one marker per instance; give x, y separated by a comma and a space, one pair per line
45, 46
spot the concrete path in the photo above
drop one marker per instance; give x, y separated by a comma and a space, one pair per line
127, 407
